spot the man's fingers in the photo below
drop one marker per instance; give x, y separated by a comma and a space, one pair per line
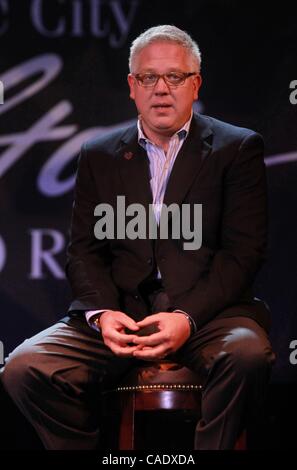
125, 351
147, 321
151, 353
129, 323
122, 337
151, 340
120, 318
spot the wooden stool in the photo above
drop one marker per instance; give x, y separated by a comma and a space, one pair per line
160, 385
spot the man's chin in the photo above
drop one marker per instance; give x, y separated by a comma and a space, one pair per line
165, 124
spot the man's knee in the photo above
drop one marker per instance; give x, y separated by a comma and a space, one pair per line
29, 370
17, 372
249, 352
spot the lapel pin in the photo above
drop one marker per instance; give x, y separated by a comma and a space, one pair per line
128, 155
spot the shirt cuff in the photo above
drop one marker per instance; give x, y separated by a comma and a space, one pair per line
89, 315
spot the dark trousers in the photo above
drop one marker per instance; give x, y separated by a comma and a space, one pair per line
56, 377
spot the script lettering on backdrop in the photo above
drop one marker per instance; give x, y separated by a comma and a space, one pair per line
47, 128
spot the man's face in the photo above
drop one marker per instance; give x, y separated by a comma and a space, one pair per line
164, 109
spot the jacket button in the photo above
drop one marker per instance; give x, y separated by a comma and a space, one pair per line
149, 261
136, 297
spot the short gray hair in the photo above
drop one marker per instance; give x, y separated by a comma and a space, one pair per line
166, 33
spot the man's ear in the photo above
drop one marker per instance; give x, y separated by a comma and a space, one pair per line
131, 82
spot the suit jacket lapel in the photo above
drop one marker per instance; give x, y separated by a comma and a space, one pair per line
134, 169
189, 161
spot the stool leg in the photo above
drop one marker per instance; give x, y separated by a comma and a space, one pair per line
241, 443
126, 440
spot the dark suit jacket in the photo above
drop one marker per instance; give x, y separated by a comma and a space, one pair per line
220, 166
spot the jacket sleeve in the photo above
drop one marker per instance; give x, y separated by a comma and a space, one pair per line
243, 236
88, 263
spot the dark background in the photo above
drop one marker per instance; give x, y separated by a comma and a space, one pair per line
249, 58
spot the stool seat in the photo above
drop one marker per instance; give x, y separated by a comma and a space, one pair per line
161, 375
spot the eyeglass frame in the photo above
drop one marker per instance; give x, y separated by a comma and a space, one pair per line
163, 75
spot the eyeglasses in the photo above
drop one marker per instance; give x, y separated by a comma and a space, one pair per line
172, 79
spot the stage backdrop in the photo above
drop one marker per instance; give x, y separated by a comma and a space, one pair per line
64, 65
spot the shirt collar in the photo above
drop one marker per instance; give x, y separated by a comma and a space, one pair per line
181, 133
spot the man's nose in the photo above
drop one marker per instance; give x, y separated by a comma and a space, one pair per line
161, 87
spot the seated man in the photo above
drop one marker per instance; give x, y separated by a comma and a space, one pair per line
196, 303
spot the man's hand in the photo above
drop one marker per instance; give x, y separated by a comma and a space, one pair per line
112, 325
174, 330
